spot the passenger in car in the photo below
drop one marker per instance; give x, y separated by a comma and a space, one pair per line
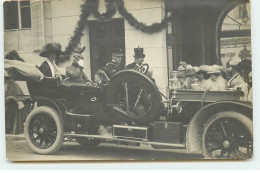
215, 82
184, 80
75, 72
115, 65
52, 52
202, 78
237, 80
139, 59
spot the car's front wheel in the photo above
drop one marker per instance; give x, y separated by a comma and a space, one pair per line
228, 135
43, 130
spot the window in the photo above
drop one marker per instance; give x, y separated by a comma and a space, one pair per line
17, 15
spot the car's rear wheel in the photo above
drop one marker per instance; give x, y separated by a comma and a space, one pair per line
228, 135
44, 130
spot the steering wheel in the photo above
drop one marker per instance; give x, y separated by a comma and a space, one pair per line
143, 68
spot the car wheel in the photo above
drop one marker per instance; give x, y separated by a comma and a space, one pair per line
228, 135
134, 97
43, 130
88, 142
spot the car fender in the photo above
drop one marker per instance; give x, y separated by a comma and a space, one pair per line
196, 125
50, 102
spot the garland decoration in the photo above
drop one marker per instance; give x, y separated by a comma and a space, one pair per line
110, 10
91, 6
155, 27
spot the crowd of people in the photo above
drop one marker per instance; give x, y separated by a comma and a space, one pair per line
237, 76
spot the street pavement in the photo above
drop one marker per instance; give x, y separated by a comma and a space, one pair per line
18, 150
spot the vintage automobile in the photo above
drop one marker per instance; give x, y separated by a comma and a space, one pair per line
130, 109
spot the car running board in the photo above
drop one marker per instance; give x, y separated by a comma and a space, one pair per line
111, 138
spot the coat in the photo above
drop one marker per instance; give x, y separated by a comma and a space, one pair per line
76, 75
132, 66
112, 68
46, 69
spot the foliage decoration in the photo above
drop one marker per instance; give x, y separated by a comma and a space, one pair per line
91, 6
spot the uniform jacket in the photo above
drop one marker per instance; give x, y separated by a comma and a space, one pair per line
112, 68
76, 75
132, 66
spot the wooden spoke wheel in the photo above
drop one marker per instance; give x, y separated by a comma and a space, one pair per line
228, 135
44, 130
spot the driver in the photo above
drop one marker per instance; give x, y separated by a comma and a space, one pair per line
139, 59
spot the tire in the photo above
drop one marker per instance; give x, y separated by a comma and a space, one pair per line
43, 130
88, 142
149, 106
228, 135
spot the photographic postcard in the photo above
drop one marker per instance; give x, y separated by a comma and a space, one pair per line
121, 80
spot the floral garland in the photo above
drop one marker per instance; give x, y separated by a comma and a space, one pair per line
91, 6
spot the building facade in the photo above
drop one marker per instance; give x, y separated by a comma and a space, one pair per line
193, 34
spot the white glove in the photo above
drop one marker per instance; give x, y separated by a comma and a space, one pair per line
20, 105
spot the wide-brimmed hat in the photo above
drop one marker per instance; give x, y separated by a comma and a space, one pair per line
139, 53
50, 47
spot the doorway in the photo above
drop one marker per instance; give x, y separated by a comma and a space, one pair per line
105, 37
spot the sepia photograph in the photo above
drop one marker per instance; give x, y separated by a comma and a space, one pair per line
127, 80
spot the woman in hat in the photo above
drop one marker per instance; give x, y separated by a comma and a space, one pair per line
139, 59
215, 82
75, 72
51, 51
202, 78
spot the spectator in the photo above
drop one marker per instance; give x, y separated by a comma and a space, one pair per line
13, 105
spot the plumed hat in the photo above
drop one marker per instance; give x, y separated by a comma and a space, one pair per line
139, 52
50, 47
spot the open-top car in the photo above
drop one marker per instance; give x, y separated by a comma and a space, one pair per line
131, 109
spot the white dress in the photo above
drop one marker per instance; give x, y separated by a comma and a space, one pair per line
218, 85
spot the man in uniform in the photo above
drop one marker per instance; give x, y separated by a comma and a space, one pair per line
139, 59
116, 64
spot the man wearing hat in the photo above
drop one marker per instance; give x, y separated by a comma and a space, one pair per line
116, 64
75, 72
139, 59
51, 51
